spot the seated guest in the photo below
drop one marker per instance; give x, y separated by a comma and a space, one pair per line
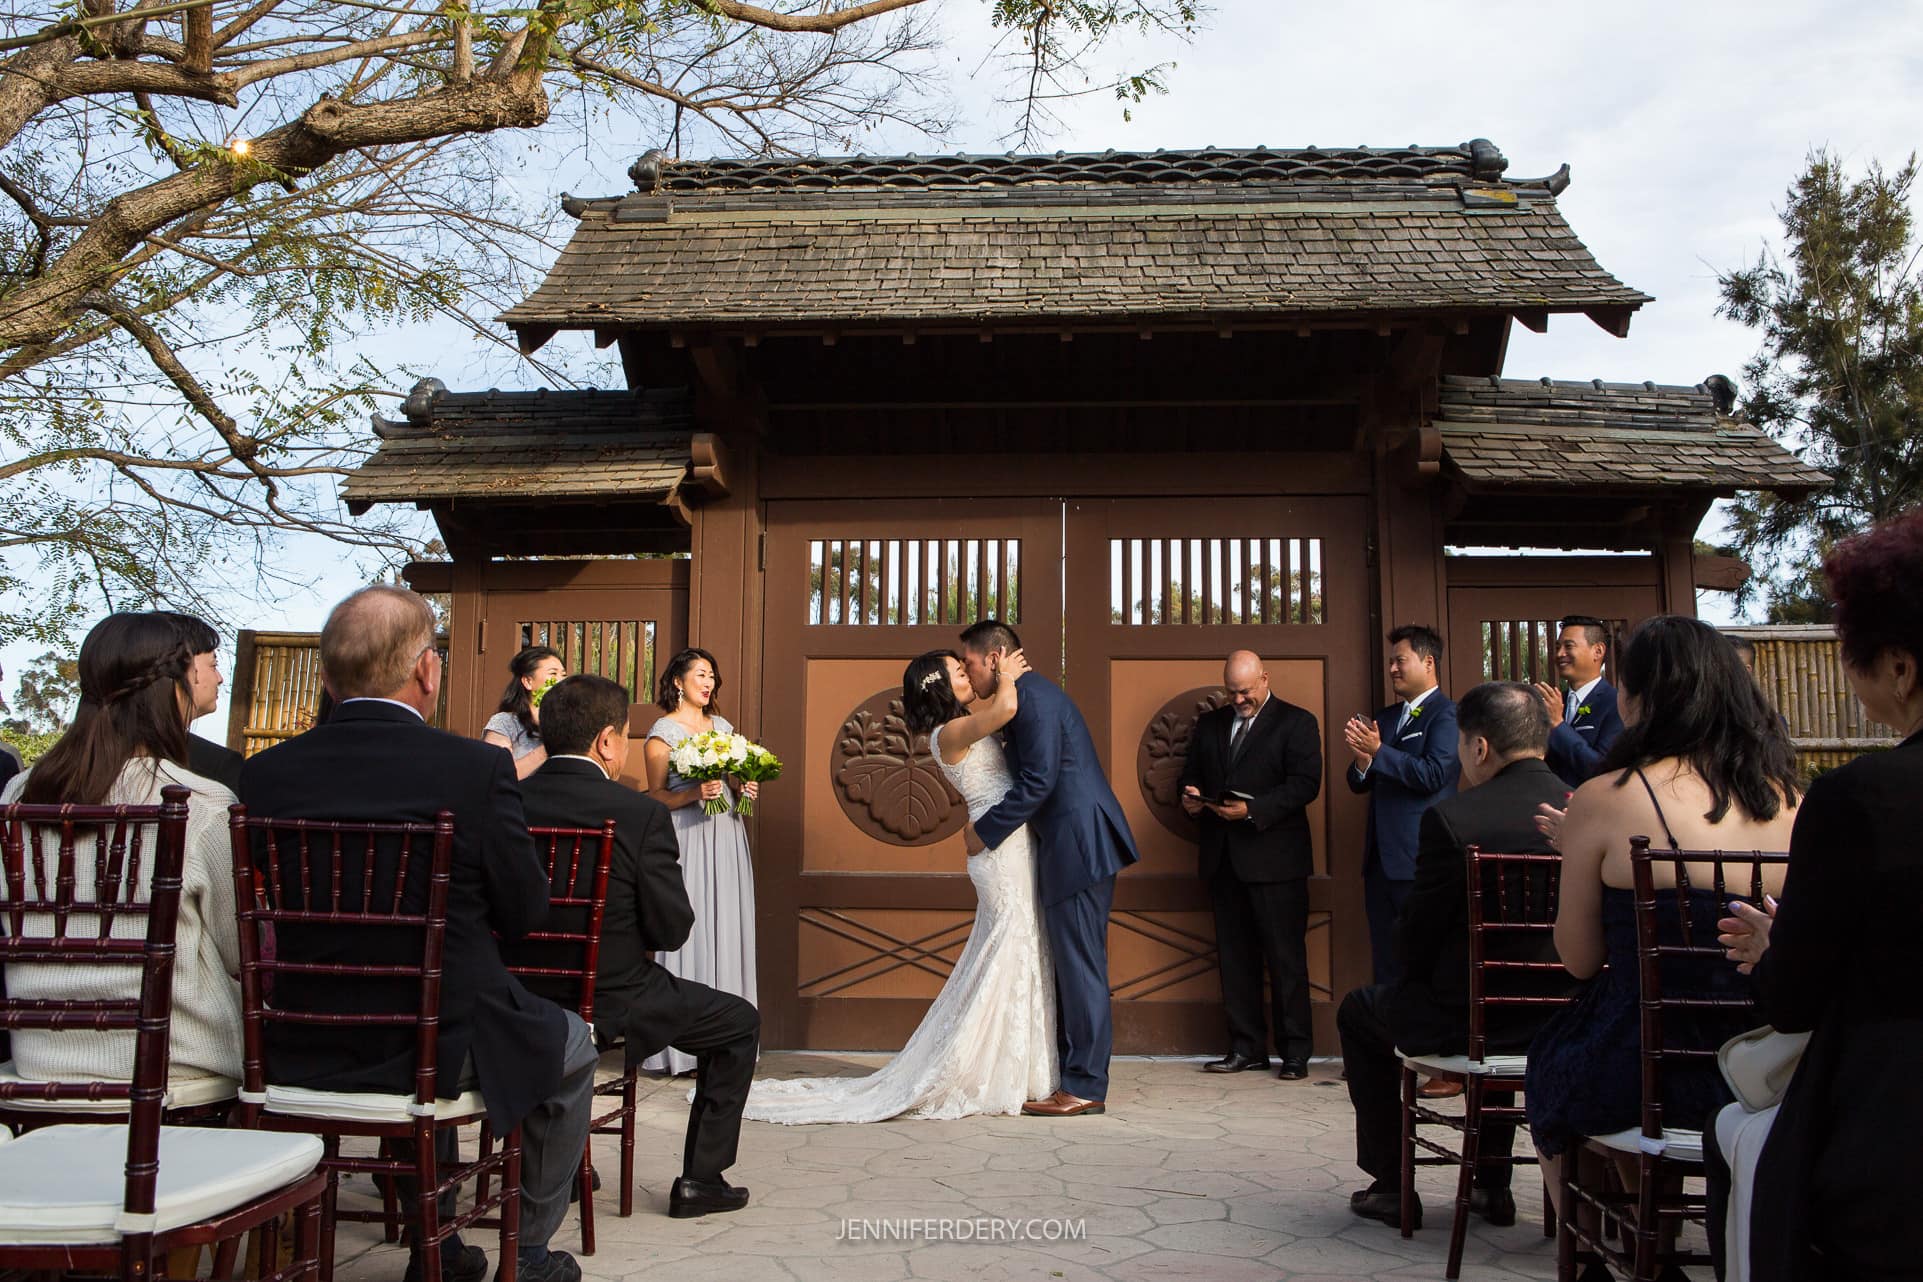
516, 724
129, 735
584, 724
205, 757
1503, 732
377, 759
1583, 721
1702, 765
1839, 961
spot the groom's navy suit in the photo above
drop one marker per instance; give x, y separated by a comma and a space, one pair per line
1081, 842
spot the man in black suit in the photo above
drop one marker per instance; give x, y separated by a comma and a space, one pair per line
1503, 730
584, 724
205, 758
1583, 721
378, 759
1253, 767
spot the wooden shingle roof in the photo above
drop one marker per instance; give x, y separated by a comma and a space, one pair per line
956, 241
547, 445
1514, 434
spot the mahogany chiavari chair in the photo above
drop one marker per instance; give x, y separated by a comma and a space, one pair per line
1692, 1002
90, 890
358, 915
1512, 919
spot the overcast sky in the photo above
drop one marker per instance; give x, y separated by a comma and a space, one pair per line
1683, 123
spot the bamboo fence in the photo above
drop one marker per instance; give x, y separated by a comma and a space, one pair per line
1800, 667
276, 689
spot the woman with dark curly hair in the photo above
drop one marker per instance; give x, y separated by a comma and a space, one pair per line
720, 950
1839, 959
1702, 764
516, 724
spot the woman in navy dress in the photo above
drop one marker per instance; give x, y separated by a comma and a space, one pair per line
1703, 764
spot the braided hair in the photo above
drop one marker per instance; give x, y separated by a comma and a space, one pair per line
135, 700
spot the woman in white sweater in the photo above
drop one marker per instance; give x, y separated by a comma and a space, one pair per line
127, 742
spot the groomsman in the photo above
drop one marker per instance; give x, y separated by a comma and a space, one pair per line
1583, 723
1253, 767
1405, 759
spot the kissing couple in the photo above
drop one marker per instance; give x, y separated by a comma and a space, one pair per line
1023, 1023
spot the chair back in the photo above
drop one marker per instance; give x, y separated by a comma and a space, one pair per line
560, 959
121, 913
1512, 925
357, 913
1693, 999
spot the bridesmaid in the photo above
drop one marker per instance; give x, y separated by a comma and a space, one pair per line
720, 951
516, 726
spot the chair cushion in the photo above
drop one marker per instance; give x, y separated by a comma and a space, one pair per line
357, 1106
1678, 1145
182, 1092
1463, 1066
65, 1184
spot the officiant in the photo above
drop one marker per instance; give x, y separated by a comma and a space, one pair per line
1253, 767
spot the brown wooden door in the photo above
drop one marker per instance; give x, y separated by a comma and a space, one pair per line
1159, 593
864, 900
1503, 613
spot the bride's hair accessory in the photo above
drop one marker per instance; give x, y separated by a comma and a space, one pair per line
934, 678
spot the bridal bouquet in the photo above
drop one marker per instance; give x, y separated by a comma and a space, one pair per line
715, 755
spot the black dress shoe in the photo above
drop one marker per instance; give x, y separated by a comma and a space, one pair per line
1234, 1062
459, 1262
1497, 1206
691, 1197
1382, 1203
1293, 1070
542, 1265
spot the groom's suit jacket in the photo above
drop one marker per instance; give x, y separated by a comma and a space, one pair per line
1059, 791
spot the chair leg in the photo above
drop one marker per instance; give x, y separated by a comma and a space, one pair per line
330, 1204
226, 1255
510, 1265
628, 1086
487, 1149
1407, 1182
390, 1198
308, 1229
1548, 1212
1466, 1174
427, 1202
1565, 1226
586, 1181
1648, 1231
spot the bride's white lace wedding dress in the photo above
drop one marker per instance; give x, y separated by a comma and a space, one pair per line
987, 1043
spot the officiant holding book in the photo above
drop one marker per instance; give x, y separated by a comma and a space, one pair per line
1253, 767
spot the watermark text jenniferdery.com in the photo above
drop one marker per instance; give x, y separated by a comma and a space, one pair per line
984, 1229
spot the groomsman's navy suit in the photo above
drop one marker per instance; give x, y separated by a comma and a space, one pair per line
1081, 841
1414, 768
1578, 745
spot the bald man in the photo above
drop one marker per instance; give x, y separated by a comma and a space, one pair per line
1253, 767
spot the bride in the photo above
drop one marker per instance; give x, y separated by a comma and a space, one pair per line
987, 1045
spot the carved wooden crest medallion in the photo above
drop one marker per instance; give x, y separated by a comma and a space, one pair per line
886, 781
1164, 751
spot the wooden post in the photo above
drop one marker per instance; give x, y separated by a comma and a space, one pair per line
240, 690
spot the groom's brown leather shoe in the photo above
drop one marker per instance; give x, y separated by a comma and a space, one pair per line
1062, 1104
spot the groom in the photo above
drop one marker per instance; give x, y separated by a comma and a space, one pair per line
1081, 842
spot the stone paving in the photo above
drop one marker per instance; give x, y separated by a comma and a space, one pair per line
1188, 1175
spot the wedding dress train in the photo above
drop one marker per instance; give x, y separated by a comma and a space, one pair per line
987, 1044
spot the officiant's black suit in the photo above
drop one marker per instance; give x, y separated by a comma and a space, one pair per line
1257, 869
378, 761
648, 911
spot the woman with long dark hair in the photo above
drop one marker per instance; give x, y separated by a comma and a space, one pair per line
1703, 763
516, 724
127, 741
720, 949
987, 1043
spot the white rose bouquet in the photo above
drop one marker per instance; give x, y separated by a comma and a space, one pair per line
759, 768
718, 756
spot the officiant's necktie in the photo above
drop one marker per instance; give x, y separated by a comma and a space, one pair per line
1237, 735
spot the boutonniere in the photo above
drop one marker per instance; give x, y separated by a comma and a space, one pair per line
1582, 710
1414, 713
